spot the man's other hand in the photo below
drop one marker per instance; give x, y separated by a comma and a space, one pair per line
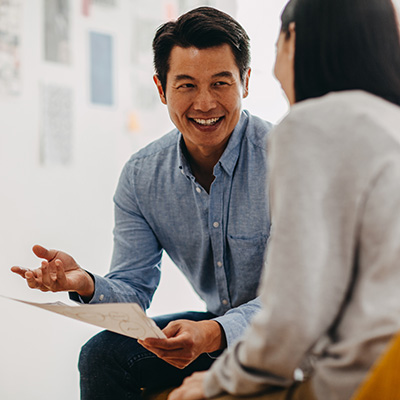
186, 340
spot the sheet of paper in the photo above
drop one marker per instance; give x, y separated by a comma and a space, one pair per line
125, 318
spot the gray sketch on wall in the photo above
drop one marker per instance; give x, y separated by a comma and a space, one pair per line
10, 43
56, 125
57, 35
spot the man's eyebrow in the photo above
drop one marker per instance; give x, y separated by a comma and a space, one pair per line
223, 74
183, 77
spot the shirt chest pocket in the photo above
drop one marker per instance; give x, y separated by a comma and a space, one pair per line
246, 254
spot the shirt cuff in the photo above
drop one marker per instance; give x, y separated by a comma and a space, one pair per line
102, 292
236, 321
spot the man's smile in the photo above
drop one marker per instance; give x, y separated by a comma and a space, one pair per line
206, 122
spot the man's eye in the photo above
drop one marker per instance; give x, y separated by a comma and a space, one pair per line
221, 83
186, 86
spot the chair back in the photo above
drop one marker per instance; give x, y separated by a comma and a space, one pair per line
383, 381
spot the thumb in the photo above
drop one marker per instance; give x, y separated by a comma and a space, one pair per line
172, 329
42, 252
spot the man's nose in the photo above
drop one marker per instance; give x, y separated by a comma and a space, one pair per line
205, 100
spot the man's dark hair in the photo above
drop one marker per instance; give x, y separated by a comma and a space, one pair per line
345, 45
203, 27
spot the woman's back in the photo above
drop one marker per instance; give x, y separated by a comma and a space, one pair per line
335, 206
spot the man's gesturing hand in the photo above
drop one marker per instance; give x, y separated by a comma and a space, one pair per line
58, 272
186, 340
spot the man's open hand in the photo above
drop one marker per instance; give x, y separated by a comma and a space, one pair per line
186, 340
58, 272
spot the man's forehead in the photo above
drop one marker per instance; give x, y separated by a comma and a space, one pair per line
223, 48
218, 61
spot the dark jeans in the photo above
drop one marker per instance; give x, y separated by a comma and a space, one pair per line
114, 366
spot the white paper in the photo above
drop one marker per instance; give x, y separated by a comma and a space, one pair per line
125, 318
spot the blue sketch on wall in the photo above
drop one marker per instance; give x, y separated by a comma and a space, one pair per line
101, 69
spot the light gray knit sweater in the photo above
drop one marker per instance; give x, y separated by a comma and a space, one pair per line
331, 284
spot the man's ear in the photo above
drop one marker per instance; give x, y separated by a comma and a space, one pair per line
160, 89
292, 40
246, 83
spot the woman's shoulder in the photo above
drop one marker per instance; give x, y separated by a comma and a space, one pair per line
347, 112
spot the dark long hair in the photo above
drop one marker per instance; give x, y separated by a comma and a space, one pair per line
345, 45
203, 27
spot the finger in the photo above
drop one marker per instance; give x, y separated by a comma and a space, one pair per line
176, 343
31, 280
52, 268
46, 279
34, 280
60, 274
172, 328
19, 270
177, 359
42, 252
177, 363
185, 392
168, 355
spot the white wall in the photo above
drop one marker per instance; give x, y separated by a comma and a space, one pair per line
70, 207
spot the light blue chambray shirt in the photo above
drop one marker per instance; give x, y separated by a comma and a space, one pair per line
217, 240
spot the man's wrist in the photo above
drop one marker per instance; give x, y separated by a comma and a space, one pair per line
87, 291
216, 339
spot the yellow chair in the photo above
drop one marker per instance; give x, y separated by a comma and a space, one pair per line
383, 381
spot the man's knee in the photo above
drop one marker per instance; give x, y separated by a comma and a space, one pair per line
106, 348
90, 353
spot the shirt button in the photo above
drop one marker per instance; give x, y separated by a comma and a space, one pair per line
224, 302
101, 298
219, 263
198, 190
216, 224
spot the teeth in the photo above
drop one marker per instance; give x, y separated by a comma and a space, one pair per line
207, 122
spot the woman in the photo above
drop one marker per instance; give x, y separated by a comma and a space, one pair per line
331, 282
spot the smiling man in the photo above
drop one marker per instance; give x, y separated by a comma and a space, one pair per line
199, 194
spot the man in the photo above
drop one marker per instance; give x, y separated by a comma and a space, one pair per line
199, 194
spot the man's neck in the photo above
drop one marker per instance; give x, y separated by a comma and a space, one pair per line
202, 166
203, 172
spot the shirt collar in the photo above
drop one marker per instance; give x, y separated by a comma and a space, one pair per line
230, 155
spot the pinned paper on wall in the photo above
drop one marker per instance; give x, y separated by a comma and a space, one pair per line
186, 5
101, 68
56, 125
10, 43
85, 7
57, 46
107, 3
